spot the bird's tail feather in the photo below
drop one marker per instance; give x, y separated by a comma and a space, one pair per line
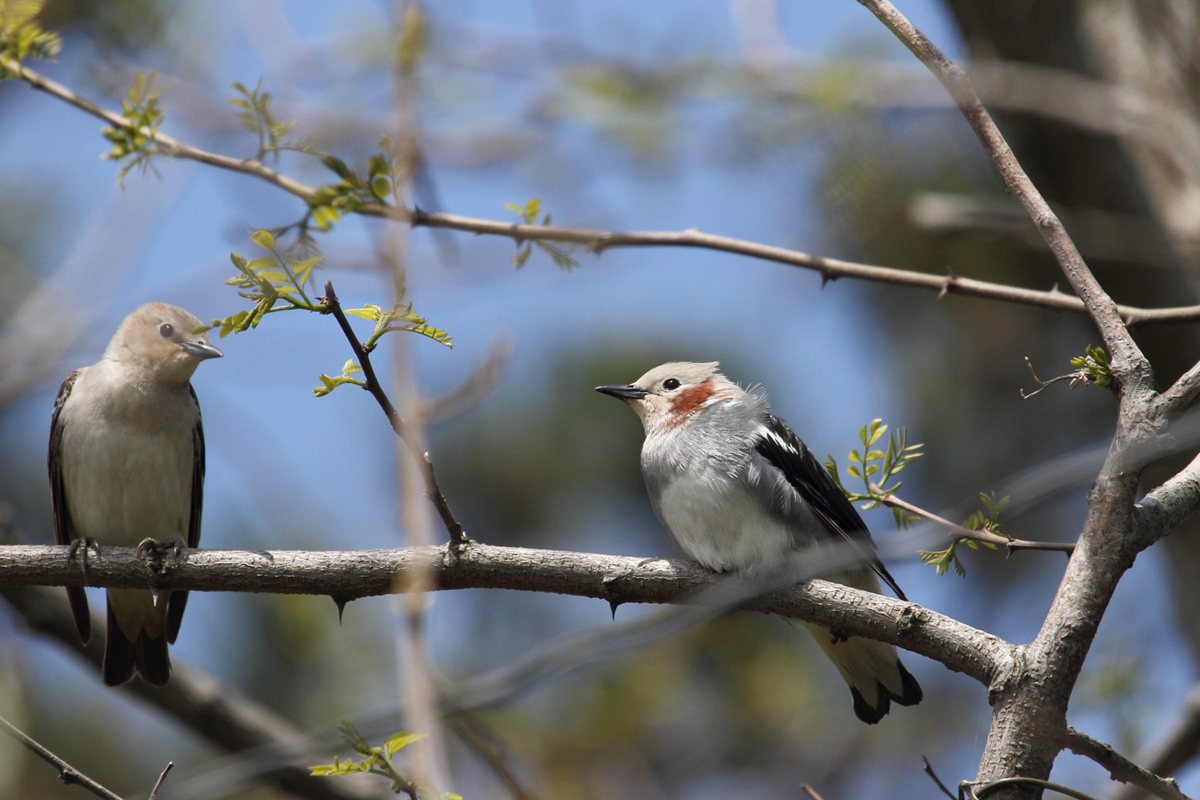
873, 672
147, 656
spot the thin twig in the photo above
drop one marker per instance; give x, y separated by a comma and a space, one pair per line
1179, 744
986, 536
263, 746
478, 384
600, 240
66, 773
458, 536
1121, 768
467, 727
158, 783
933, 776
985, 789
810, 792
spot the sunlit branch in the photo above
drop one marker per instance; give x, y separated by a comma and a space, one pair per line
599, 240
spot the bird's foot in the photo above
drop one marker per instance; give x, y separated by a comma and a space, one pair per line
161, 558
84, 544
166, 554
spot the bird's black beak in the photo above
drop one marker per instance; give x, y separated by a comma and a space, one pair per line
201, 350
623, 391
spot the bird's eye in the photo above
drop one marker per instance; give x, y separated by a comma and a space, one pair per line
671, 384
166, 330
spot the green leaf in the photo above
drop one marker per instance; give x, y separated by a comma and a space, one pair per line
398, 741
338, 166
263, 238
369, 311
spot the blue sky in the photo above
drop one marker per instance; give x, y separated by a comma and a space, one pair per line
169, 237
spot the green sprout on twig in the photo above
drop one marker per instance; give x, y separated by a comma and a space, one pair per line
986, 518
528, 214
377, 760
877, 469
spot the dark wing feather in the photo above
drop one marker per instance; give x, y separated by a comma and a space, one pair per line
64, 528
179, 599
805, 474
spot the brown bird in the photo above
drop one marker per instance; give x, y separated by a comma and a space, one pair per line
126, 465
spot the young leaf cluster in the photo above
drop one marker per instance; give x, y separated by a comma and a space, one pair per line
20, 35
1092, 367
400, 317
528, 214
278, 282
255, 116
273, 282
354, 190
877, 469
378, 761
986, 518
134, 143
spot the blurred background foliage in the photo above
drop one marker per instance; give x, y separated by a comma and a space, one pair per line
802, 126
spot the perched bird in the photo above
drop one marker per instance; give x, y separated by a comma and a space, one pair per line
740, 492
126, 465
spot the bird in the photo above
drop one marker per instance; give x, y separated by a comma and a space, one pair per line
127, 469
740, 492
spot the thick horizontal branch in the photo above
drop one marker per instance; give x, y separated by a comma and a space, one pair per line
348, 575
600, 240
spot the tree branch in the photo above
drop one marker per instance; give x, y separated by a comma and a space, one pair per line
458, 536
600, 240
1100, 307
225, 717
349, 575
1120, 768
1177, 747
958, 531
1168, 505
1182, 394
830, 268
66, 773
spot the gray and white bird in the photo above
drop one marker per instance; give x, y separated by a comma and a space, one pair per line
127, 464
740, 492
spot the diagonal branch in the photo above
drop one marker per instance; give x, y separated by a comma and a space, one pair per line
1167, 505
66, 773
231, 721
1120, 768
600, 240
458, 536
1182, 394
1100, 307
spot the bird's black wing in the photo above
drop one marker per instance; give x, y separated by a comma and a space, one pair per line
780, 446
64, 528
179, 599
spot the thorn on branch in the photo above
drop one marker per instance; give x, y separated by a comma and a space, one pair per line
341, 603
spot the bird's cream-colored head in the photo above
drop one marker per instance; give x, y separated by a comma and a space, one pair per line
160, 340
668, 395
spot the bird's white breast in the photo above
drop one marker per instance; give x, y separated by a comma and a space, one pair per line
722, 525
127, 458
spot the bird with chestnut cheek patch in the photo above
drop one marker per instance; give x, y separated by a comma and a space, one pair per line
740, 492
